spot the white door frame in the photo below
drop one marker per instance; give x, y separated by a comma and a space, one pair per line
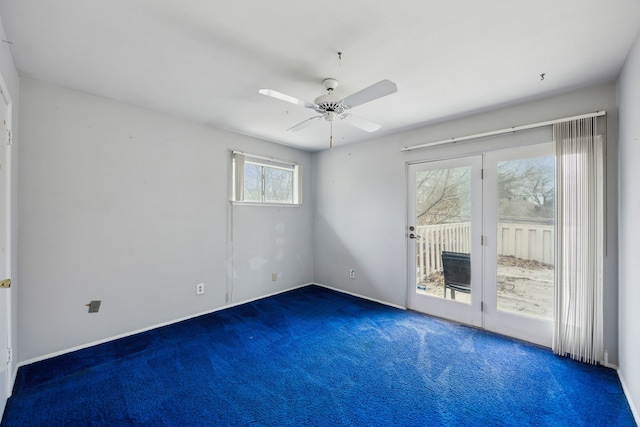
6, 382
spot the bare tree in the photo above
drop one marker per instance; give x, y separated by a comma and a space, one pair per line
278, 183
530, 179
526, 189
442, 196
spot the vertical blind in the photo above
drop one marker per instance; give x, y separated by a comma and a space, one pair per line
580, 181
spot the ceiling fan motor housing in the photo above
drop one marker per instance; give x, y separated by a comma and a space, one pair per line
326, 103
329, 103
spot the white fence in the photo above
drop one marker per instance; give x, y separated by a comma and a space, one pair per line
526, 241
433, 239
521, 240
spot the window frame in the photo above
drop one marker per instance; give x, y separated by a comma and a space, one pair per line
238, 161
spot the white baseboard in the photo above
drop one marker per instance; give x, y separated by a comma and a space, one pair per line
359, 296
159, 325
634, 410
149, 328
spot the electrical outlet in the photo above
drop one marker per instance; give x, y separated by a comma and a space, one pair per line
200, 289
274, 277
352, 273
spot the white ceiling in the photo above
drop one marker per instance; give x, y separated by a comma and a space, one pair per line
205, 59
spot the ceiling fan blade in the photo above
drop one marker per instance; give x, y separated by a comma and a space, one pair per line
375, 91
285, 98
361, 123
303, 124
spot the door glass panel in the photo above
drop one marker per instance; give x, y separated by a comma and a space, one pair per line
525, 236
443, 233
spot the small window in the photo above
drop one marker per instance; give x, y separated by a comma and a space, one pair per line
258, 179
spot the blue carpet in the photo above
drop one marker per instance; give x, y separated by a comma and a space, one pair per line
314, 357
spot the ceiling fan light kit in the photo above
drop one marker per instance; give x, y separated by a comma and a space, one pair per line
332, 107
330, 116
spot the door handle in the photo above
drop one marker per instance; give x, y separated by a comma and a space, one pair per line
413, 236
6, 283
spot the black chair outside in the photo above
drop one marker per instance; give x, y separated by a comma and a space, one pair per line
456, 268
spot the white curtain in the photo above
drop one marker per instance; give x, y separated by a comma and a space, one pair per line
580, 240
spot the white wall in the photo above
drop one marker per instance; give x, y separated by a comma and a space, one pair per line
629, 221
11, 82
130, 207
360, 193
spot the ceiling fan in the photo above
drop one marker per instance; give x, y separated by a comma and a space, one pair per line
331, 107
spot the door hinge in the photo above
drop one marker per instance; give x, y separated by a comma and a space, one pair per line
481, 240
9, 355
9, 137
481, 173
482, 306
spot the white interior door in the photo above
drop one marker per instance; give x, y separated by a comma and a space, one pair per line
443, 232
5, 254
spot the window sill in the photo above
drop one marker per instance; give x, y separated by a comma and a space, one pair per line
270, 204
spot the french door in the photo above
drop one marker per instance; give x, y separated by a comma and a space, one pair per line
481, 238
445, 215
